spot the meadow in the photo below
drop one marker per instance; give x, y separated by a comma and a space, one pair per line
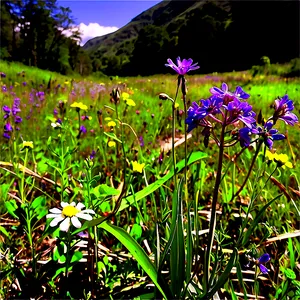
107, 192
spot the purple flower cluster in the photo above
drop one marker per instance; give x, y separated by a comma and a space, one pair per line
232, 108
11, 114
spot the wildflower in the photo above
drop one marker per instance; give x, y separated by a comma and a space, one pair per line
142, 143
6, 109
283, 108
228, 96
69, 214
240, 111
115, 95
55, 112
79, 105
244, 136
3, 75
269, 134
130, 102
8, 127
183, 66
27, 144
282, 159
125, 96
176, 105
194, 115
82, 129
137, 167
83, 118
111, 124
111, 144
18, 119
6, 135
93, 154
261, 261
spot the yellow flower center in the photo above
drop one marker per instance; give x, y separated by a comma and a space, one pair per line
70, 211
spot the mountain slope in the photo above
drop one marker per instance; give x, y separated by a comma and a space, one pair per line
220, 35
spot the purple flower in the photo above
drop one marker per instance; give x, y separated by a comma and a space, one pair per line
17, 102
194, 115
18, 119
261, 261
15, 110
4, 89
82, 129
269, 134
283, 108
6, 109
55, 112
183, 66
24, 83
244, 136
142, 143
3, 75
240, 111
211, 106
8, 127
6, 135
92, 155
228, 96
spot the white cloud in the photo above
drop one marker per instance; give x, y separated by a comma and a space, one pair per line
92, 30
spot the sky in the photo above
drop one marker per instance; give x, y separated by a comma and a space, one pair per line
99, 17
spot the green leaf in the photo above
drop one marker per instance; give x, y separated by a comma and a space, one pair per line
195, 156
113, 136
224, 277
137, 252
104, 190
256, 220
77, 256
11, 207
136, 231
289, 273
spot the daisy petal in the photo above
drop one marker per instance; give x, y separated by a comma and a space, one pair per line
89, 211
53, 216
84, 216
75, 222
55, 221
64, 204
65, 225
55, 210
80, 206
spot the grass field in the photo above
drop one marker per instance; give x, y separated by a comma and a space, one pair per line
107, 144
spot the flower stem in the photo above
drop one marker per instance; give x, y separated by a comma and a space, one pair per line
212, 224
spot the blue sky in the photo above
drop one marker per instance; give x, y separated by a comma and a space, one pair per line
99, 17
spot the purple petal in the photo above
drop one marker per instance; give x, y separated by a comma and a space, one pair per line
263, 269
264, 258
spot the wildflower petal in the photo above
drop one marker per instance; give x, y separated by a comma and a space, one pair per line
64, 204
84, 216
75, 221
264, 258
88, 211
55, 210
65, 225
55, 221
80, 206
263, 269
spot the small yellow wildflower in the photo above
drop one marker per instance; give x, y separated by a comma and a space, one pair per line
111, 144
79, 105
17, 84
137, 167
176, 105
282, 160
67, 82
125, 95
111, 124
28, 144
107, 119
130, 102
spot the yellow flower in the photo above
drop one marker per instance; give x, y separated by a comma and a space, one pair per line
17, 84
137, 167
67, 82
27, 144
125, 95
107, 119
79, 105
176, 105
111, 124
282, 160
111, 144
130, 102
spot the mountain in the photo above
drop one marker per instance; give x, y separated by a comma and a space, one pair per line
220, 35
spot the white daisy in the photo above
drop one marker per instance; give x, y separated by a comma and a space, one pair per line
69, 213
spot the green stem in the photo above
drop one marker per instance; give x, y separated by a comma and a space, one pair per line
185, 150
212, 224
249, 171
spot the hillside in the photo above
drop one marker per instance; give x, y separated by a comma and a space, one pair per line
220, 35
